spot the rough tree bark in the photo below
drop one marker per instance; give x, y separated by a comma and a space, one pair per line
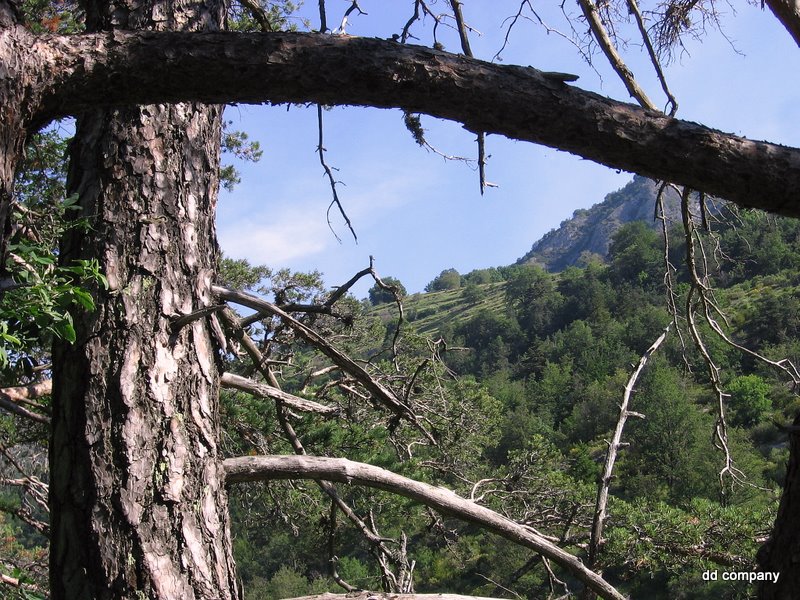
137, 501
138, 506
15, 114
781, 554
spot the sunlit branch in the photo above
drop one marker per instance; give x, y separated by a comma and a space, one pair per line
614, 445
237, 382
609, 49
262, 468
378, 545
343, 25
12, 400
381, 393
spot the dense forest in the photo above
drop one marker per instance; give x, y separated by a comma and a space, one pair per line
527, 369
521, 372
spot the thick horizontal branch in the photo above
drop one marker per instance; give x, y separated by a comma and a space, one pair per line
88, 70
261, 468
230, 380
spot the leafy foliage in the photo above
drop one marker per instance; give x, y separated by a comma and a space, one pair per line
380, 295
39, 292
449, 279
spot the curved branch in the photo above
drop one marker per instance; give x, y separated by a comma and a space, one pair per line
90, 70
261, 468
383, 394
598, 522
608, 47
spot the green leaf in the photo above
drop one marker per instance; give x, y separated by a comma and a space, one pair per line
83, 298
70, 201
65, 330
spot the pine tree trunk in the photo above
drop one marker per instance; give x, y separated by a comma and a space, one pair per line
13, 131
138, 505
137, 500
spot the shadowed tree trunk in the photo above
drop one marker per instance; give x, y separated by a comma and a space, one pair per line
137, 498
781, 554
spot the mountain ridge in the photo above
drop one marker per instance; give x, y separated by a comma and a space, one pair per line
591, 229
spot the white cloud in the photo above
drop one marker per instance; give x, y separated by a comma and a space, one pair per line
287, 232
275, 240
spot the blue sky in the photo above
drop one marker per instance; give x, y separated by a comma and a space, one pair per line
418, 214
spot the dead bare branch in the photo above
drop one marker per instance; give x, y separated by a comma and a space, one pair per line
12, 399
598, 522
331, 180
385, 556
237, 382
465, 47
261, 468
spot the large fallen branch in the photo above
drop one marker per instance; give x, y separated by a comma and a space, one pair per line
263, 468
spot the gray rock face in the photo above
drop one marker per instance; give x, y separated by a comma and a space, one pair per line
590, 230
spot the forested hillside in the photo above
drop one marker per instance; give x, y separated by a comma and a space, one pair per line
536, 364
591, 230
518, 374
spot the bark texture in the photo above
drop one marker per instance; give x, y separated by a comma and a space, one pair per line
788, 13
261, 468
518, 102
137, 497
782, 552
15, 112
138, 504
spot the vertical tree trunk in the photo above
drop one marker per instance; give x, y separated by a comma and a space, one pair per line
137, 501
13, 131
781, 554
138, 505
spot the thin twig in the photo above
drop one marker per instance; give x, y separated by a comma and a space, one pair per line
633, 8
467, 50
342, 26
332, 180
